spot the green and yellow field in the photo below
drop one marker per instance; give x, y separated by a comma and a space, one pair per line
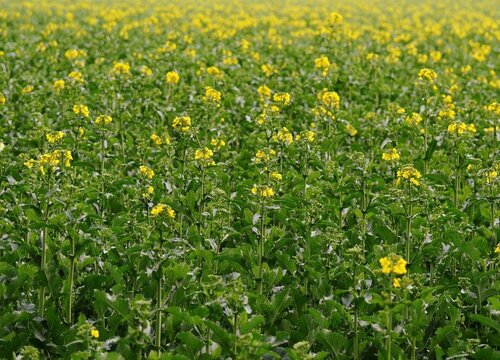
236, 179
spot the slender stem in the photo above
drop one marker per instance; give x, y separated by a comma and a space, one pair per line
457, 181
389, 335
71, 282
158, 297
44, 234
235, 332
261, 246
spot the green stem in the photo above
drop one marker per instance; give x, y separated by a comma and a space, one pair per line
71, 284
261, 246
159, 297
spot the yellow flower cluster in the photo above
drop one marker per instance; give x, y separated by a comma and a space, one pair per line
59, 85
146, 70
217, 143
204, 156
121, 69
428, 75
393, 264
494, 108
103, 120
351, 130
76, 76
146, 172
264, 156
282, 98
182, 123
162, 209
27, 89
276, 176
391, 155
81, 110
148, 193
158, 140
268, 70
51, 160
54, 137
172, 77
410, 174
322, 63
329, 98
460, 128
212, 95
413, 119
284, 135
490, 175
264, 92
71, 54
94, 333
262, 191
214, 71
308, 135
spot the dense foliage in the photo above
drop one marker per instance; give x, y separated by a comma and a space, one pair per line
249, 179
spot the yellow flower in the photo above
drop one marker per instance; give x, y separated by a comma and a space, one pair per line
308, 135
284, 135
335, 18
103, 120
214, 71
172, 77
27, 89
264, 92
264, 156
268, 70
212, 95
460, 128
29, 164
497, 249
81, 110
54, 137
410, 174
147, 172
156, 139
391, 155
400, 267
146, 70
58, 85
76, 76
386, 264
218, 143
372, 57
490, 176
182, 123
396, 283
262, 191
494, 108
276, 176
2, 99
148, 193
94, 333
162, 208
413, 119
322, 63
71, 54
427, 75
282, 98
121, 69
204, 156
351, 130
393, 264
330, 98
